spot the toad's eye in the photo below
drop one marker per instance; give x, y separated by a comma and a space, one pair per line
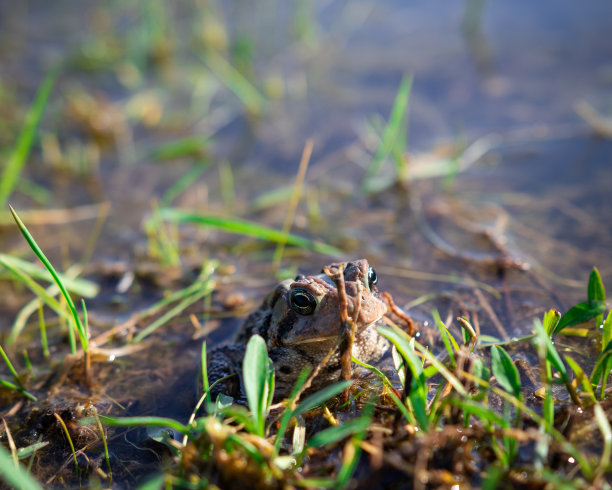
372, 277
302, 301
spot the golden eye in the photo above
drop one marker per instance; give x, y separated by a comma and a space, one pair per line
302, 301
372, 277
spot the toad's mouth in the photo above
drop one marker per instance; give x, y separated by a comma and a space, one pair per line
327, 338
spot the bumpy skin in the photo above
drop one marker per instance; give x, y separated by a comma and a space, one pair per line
296, 340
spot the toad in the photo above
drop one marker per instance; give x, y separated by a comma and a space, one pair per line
300, 323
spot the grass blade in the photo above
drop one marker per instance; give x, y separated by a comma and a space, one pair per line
606, 334
16, 476
205, 289
81, 287
20, 153
418, 387
10, 366
551, 353
391, 133
596, 291
235, 81
321, 396
247, 228
606, 432
339, 432
138, 421
41, 256
600, 370
449, 342
11, 386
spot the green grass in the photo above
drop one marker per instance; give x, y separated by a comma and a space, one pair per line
247, 228
393, 139
19, 156
437, 392
78, 325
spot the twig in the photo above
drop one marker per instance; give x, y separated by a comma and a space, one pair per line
348, 326
400, 314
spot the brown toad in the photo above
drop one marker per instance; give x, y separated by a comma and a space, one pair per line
300, 322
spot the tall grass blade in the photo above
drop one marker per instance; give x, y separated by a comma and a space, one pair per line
41, 256
247, 228
235, 81
19, 156
606, 432
449, 342
391, 133
67, 433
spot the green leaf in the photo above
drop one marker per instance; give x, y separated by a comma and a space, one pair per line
16, 475
580, 313
255, 372
483, 412
321, 396
155, 483
552, 355
189, 146
551, 320
606, 432
447, 338
505, 371
601, 365
607, 331
24, 452
339, 432
400, 405
596, 291
418, 388
581, 377
247, 228
480, 369
287, 414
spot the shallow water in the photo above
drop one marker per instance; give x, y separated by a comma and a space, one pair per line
499, 79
